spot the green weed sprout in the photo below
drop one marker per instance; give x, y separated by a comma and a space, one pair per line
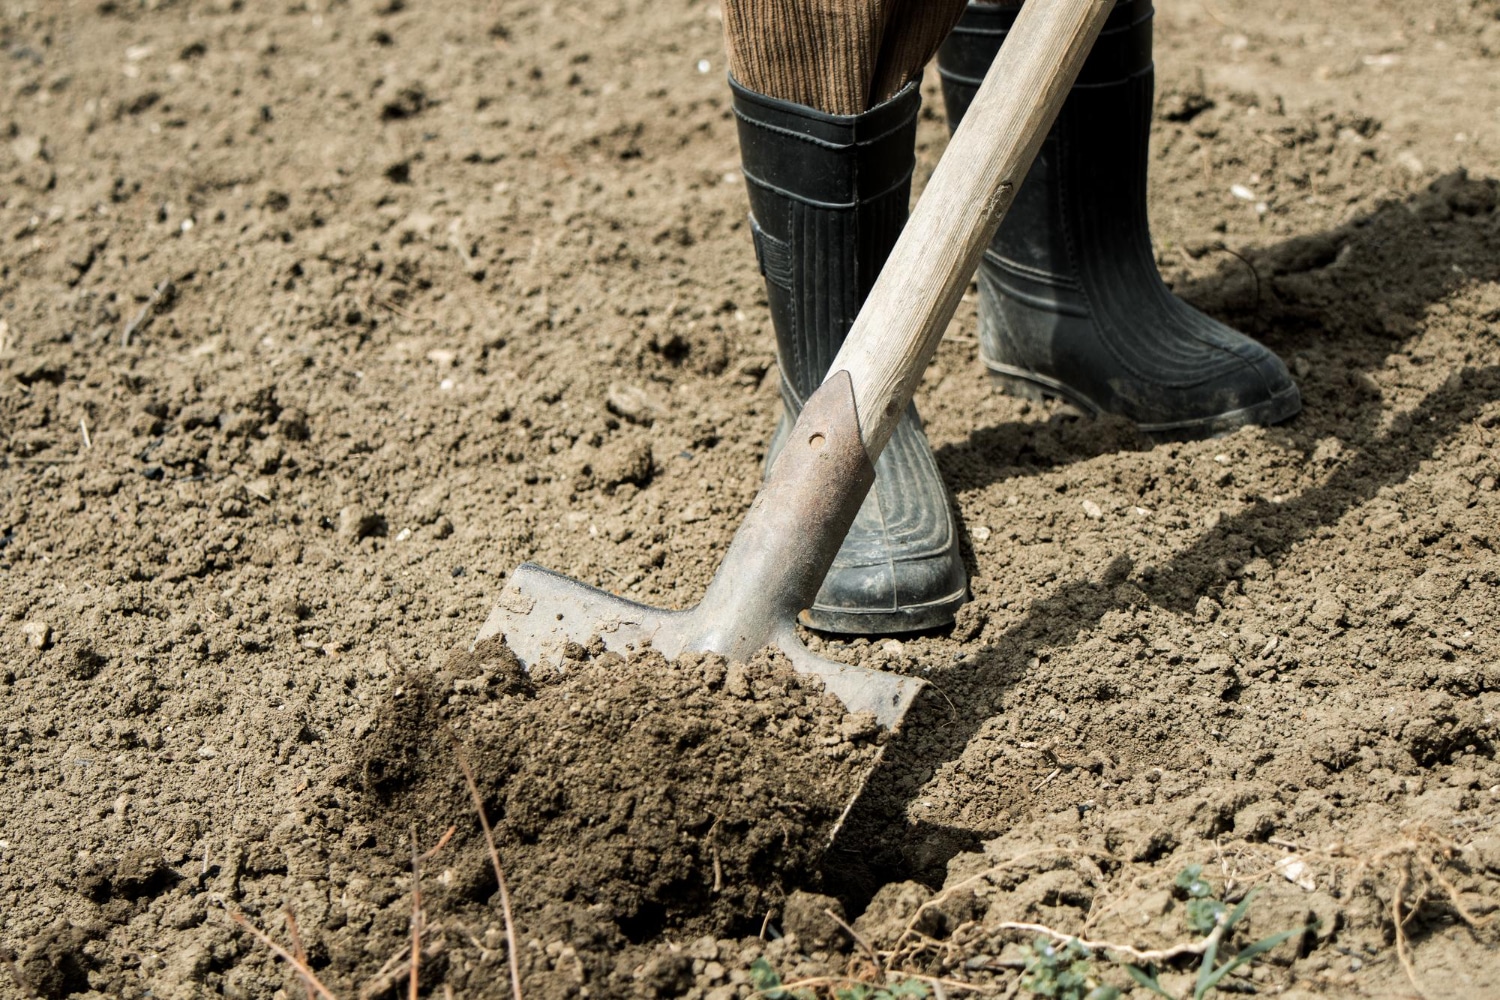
1208, 915
1062, 972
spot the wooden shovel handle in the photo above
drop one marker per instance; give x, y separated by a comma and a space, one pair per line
899, 327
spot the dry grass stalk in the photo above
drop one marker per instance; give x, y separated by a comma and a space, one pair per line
511, 953
297, 947
416, 919
854, 936
309, 978
399, 967
1411, 863
1403, 949
406, 963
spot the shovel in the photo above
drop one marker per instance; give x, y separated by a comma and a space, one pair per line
798, 520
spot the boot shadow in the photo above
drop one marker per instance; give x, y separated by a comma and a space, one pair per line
1307, 306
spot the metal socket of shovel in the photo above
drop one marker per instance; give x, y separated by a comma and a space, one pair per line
798, 520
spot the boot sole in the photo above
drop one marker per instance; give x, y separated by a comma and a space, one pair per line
912, 618
1035, 387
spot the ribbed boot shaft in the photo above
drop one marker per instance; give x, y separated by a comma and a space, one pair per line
1120, 267
1071, 303
1096, 127
1122, 50
829, 196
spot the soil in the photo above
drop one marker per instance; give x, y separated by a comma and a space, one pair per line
317, 318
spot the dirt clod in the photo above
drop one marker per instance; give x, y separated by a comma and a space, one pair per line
56, 965
806, 916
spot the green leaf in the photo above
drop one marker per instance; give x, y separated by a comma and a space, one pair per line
1239, 912
855, 991
766, 980
1147, 979
908, 988
1203, 915
1205, 971
1191, 881
1247, 955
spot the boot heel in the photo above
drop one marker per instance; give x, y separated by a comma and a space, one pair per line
1036, 388
1015, 385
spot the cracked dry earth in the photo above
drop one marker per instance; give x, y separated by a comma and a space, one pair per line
318, 317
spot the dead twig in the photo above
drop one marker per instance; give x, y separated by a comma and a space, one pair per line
857, 938
1413, 866
404, 313
144, 315
973, 880
442, 843
512, 956
1453, 898
418, 921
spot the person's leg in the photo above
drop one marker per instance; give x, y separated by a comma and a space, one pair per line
826, 109
1070, 300
841, 57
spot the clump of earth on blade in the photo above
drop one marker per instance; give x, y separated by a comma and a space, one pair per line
685, 795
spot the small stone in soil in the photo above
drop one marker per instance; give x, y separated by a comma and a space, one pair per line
38, 634
632, 403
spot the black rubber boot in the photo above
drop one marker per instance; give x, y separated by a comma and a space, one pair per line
828, 197
1070, 300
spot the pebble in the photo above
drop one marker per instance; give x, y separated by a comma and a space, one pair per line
38, 634
631, 403
357, 521
1093, 511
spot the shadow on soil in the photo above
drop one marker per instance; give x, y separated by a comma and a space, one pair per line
1339, 303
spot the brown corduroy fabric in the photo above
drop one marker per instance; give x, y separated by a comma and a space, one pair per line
841, 57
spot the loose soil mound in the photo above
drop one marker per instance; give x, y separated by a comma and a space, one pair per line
317, 318
641, 797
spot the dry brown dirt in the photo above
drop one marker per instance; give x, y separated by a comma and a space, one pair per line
318, 317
